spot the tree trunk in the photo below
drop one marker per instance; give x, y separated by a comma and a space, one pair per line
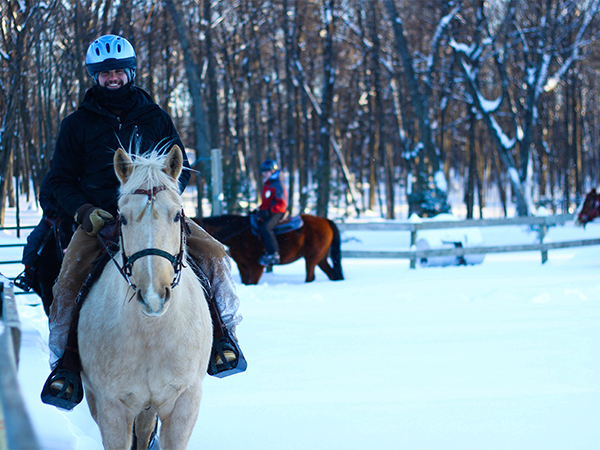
202, 142
324, 169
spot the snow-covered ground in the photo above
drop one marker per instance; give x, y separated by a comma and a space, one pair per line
500, 355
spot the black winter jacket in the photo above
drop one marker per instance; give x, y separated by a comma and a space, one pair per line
82, 165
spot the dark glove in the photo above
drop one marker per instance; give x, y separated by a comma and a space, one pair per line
92, 219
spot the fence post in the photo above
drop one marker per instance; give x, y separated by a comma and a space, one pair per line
413, 246
18, 218
543, 231
216, 181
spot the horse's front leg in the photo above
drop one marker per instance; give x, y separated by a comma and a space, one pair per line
115, 425
176, 428
145, 424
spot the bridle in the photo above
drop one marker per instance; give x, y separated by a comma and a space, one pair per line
176, 260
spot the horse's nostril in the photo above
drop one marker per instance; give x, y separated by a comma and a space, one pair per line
167, 294
139, 297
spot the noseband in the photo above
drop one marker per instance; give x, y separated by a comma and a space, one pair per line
175, 260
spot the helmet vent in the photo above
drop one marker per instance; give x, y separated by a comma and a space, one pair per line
97, 51
107, 47
118, 48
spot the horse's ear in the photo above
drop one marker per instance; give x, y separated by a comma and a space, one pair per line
123, 165
174, 163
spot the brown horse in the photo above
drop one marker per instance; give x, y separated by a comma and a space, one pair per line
317, 239
589, 209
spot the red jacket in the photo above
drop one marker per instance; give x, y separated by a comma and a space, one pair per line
274, 195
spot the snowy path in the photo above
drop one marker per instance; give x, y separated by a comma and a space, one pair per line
503, 355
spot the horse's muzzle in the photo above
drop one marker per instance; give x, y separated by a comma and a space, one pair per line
153, 304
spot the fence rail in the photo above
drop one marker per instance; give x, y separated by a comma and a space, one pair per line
17, 432
468, 223
14, 261
414, 254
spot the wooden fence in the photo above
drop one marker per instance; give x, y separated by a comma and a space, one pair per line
414, 254
16, 430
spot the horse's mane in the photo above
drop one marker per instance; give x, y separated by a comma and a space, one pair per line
148, 172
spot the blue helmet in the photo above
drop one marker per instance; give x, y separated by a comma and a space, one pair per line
268, 165
111, 52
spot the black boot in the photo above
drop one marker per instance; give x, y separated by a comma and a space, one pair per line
64, 388
269, 259
226, 357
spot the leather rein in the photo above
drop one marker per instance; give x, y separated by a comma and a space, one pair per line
176, 260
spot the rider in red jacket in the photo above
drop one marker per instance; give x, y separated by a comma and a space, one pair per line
271, 211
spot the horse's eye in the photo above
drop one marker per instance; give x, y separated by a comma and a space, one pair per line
123, 220
177, 217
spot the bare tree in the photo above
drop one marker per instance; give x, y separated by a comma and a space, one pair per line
427, 199
202, 142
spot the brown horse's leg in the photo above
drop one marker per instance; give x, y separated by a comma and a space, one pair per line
325, 267
334, 251
318, 257
310, 269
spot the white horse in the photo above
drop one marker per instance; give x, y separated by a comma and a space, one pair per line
145, 332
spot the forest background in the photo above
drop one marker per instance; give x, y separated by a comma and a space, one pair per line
366, 104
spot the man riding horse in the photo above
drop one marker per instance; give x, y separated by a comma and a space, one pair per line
113, 113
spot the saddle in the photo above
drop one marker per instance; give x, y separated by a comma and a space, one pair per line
287, 224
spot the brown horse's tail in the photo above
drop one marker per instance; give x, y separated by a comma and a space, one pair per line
336, 252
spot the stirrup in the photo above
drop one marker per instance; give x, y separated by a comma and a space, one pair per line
66, 396
21, 282
219, 365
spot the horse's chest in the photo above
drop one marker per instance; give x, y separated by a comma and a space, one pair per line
145, 352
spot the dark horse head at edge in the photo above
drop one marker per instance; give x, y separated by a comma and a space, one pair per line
589, 209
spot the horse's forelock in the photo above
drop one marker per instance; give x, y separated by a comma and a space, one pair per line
148, 172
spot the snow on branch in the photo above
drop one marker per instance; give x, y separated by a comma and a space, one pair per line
507, 143
439, 33
489, 106
462, 48
486, 106
579, 42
